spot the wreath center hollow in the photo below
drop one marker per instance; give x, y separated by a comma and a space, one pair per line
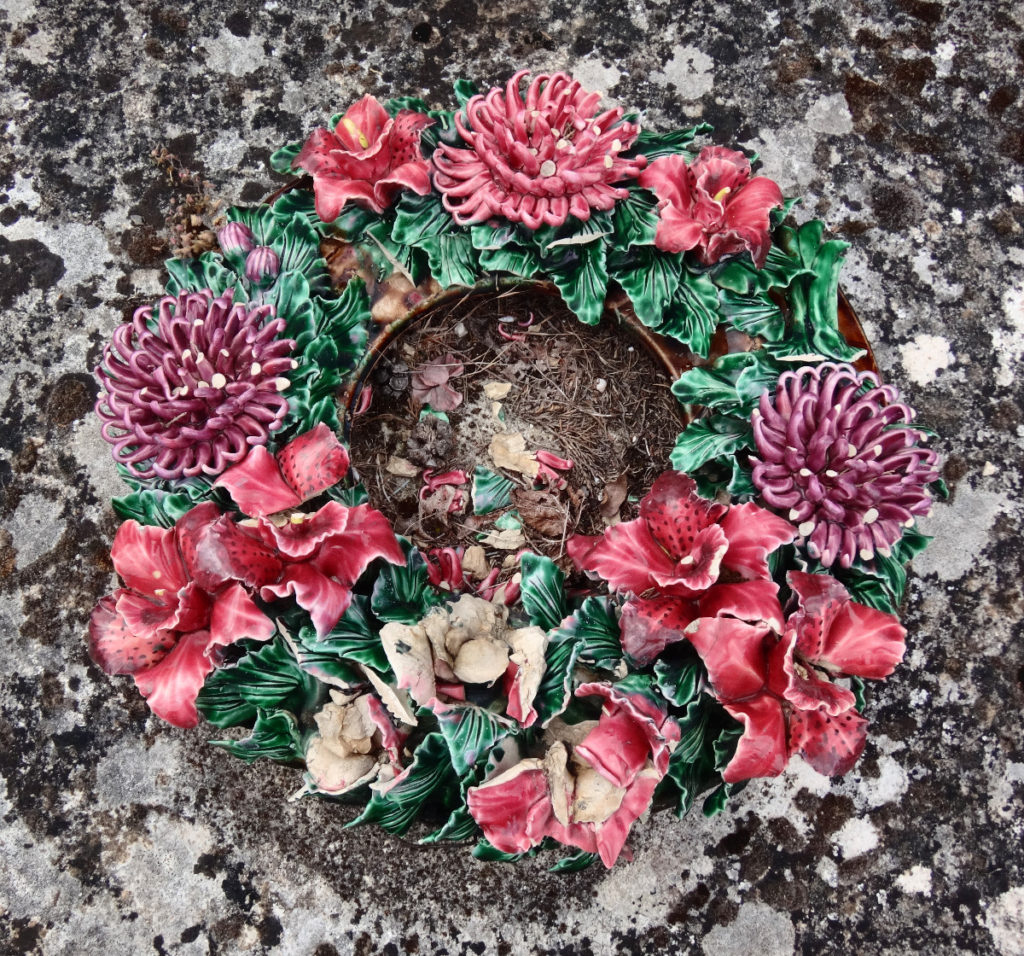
502, 388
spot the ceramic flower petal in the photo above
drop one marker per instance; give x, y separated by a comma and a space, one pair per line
649, 626
147, 558
257, 486
830, 744
755, 602
235, 617
323, 597
116, 648
753, 533
762, 750
514, 808
171, 685
735, 654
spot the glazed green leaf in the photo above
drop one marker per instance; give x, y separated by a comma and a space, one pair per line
275, 736
596, 629
710, 386
297, 244
195, 275
452, 260
555, 692
858, 687
428, 777
650, 278
299, 202
489, 854
259, 219
741, 486
572, 233
470, 732
678, 680
652, 145
418, 218
574, 863
281, 160
709, 438
543, 590
491, 491
356, 637
692, 315
503, 249
465, 90
404, 594
268, 677
390, 256
635, 219
757, 315
353, 221
724, 748
290, 296
343, 322
153, 507
584, 283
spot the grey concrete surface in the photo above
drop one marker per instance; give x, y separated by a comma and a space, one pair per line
901, 123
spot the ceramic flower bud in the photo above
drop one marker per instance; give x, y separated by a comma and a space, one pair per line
236, 239
262, 265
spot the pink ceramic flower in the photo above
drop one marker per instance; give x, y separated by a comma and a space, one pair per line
837, 454
683, 558
264, 484
369, 158
191, 390
164, 627
536, 160
594, 781
780, 689
713, 205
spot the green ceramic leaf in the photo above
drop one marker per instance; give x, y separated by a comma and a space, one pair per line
281, 160
650, 278
762, 373
584, 283
635, 219
153, 507
489, 854
470, 733
514, 259
574, 862
452, 259
428, 776
678, 679
572, 233
275, 736
355, 638
692, 316
491, 491
741, 486
344, 321
390, 256
420, 217
353, 222
298, 202
543, 589
708, 438
404, 594
652, 145
724, 748
596, 629
195, 275
858, 686
465, 90
555, 692
290, 297
297, 244
259, 219
911, 544
757, 315
268, 676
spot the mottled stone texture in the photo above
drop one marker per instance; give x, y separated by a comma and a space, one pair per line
903, 125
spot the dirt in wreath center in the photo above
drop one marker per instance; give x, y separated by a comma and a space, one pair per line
504, 388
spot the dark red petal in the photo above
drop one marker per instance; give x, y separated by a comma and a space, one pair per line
762, 750
324, 598
171, 686
675, 513
831, 745
235, 616
185, 610
624, 556
115, 648
313, 462
801, 685
755, 602
513, 809
220, 551
617, 748
753, 534
367, 536
735, 654
649, 626
257, 486
147, 558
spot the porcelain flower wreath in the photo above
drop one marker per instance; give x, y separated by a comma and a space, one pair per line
727, 627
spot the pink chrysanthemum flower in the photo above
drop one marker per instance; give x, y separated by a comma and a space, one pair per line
193, 389
836, 454
536, 160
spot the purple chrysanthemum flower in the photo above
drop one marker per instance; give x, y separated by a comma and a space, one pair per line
835, 453
192, 390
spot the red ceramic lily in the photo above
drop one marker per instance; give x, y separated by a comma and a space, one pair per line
368, 158
164, 627
685, 557
593, 782
712, 205
780, 689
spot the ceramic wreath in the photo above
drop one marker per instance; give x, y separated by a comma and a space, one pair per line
713, 629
